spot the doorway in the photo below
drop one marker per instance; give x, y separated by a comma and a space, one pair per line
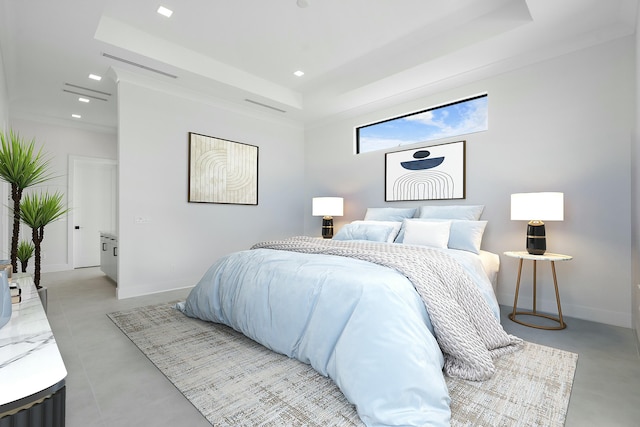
93, 210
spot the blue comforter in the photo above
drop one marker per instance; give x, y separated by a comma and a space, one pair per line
361, 324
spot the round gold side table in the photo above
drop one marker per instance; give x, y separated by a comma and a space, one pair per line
552, 258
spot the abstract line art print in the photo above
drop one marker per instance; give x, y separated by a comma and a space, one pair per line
222, 171
429, 173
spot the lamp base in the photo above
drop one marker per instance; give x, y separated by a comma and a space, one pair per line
327, 227
536, 238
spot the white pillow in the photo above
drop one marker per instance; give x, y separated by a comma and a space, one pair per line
468, 212
463, 235
373, 232
466, 235
427, 233
396, 225
389, 214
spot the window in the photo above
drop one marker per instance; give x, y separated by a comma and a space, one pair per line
457, 118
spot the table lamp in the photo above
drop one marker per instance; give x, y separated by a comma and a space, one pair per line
535, 208
327, 208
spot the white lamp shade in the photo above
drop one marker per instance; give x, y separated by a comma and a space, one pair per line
327, 206
537, 206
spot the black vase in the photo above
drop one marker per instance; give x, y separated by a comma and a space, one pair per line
327, 227
536, 238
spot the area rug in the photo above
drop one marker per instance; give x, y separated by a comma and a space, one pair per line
234, 381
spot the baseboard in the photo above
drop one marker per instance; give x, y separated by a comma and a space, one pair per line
124, 292
608, 317
52, 268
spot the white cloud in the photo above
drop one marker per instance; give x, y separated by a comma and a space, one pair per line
441, 124
375, 144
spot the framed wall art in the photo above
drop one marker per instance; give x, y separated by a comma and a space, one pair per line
222, 171
429, 173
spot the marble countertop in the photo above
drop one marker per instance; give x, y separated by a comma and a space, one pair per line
29, 357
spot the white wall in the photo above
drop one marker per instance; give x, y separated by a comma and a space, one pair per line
58, 143
560, 125
181, 239
4, 96
635, 194
4, 120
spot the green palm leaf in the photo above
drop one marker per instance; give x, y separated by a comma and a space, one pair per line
25, 250
38, 210
21, 167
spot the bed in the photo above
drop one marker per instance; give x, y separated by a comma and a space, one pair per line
383, 309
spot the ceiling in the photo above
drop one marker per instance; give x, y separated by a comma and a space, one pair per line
356, 54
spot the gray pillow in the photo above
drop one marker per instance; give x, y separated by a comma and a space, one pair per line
389, 214
468, 212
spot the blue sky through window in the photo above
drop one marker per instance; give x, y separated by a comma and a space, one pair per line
463, 117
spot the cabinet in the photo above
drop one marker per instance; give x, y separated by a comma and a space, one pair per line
32, 372
109, 255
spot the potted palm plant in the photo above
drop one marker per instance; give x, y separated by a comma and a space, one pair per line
38, 210
25, 252
20, 166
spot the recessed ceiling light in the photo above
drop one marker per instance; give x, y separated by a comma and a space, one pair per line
298, 73
165, 12
95, 77
83, 99
76, 116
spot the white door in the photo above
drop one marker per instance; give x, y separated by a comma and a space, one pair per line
93, 207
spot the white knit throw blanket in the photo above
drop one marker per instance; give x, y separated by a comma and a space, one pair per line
465, 327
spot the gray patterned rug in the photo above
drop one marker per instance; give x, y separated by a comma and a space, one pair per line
234, 381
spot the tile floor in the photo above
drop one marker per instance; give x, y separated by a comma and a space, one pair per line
111, 384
